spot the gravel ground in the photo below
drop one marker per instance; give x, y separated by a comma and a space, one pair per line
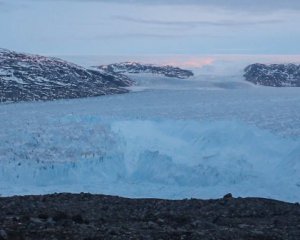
87, 216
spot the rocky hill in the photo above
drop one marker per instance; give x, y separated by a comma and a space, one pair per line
134, 68
274, 75
86, 216
25, 77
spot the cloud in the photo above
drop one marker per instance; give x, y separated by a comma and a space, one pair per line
166, 36
150, 27
245, 5
216, 23
190, 62
11, 6
4, 6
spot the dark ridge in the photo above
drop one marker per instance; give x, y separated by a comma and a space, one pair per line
87, 216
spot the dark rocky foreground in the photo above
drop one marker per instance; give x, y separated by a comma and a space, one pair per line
86, 216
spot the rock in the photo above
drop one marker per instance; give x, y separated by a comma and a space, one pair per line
151, 225
239, 218
60, 216
78, 219
227, 196
3, 235
26, 77
43, 216
134, 68
274, 75
36, 220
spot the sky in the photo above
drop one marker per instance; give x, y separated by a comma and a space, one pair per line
151, 27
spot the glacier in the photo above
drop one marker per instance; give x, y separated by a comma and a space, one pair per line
169, 139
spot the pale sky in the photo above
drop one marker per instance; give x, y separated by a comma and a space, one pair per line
139, 27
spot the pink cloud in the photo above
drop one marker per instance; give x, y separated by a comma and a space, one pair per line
188, 62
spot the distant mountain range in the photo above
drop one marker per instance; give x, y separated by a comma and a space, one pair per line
275, 75
25, 77
135, 68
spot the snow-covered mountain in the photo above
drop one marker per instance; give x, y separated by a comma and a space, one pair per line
134, 67
275, 75
25, 77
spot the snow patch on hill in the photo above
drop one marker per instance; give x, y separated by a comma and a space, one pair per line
274, 75
137, 68
27, 77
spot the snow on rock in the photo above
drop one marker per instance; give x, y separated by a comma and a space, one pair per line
274, 75
134, 68
25, 77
